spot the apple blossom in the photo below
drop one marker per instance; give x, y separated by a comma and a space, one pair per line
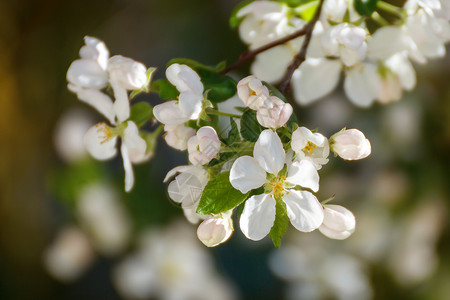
309, 145
350, 144
204, 146
252, 92
338, 222
189, 104
177, 136
215, 230
274, 114
263, 169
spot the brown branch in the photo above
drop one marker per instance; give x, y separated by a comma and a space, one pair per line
301, 56
247, 55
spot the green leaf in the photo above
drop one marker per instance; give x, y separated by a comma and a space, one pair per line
219, 87
234, 19
219, 196
197, 65
165, 89
250, 128
365, 7
307, 10
233, 134
140, 113
281, 223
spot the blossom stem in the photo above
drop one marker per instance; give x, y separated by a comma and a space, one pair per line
247, 55
158, 130
220, 113
387, 7
301, 56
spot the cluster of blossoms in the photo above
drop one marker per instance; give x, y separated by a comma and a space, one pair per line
372, 45
263, 161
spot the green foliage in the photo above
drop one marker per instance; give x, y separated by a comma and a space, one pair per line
234, 19
140, 113
250, 128
165, 89
233, 134
219, 196
219, 87
281, 223
198, 66
365, 7
307, 10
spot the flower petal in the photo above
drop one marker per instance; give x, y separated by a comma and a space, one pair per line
304, 210
191, 104
184, 79
129, 175
170, 113
246, 174
272, 64
98, 100
303, 173
258, 216
362, 84
122, 104
97, 143
132, 139
269, 152
334, 234
87, 74
315, 78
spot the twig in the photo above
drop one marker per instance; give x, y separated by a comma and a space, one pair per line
301, 56
246, 56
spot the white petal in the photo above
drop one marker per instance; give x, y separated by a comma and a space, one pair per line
401, 66
132, 139
170, 113
258, 216
390, 35
184, 79
272, 64
246, 174
316, 78
122, 104
87, 74
362, 84
98, 100
269, 152
303, 173
334, 234
304, 210
97, 143
129, 175
339, 218
179, 169
94, 49
191, 104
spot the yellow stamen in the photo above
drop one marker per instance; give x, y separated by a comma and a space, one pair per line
309, 148
107, 134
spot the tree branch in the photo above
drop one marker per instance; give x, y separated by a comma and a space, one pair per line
301, 56
247, 55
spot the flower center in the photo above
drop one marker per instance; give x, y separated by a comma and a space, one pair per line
276, 187
107, 134
309, 148
252, 93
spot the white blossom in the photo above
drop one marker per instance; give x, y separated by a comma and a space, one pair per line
216, 230
309, 145
274, 114
252, 92
189, 103
177, 136
204, 146
338, 222
247, 173
350, 144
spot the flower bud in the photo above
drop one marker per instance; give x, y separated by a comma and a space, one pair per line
204, 146
252, 92
127, 73
350, 144
177, 136
215, 230
274, 115
338, 222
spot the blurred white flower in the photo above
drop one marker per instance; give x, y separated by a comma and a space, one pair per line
177, 136
350, 144
247, 173
309, 145
69, 255
204, 146
189, 103
69, 133
104, 217
170, 264
216, 230
338, 222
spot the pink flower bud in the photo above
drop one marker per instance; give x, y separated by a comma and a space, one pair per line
275, 113
252, 92
338, 223
177, 136
215, 230
204, 146
350, 144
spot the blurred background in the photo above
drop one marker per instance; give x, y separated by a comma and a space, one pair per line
68, 231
